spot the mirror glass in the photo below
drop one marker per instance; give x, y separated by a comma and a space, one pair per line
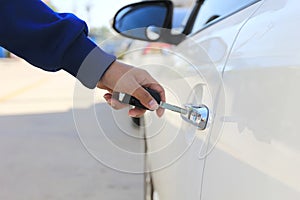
135, 20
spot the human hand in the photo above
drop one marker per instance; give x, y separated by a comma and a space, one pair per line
120, 77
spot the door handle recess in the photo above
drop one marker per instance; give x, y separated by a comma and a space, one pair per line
197, 115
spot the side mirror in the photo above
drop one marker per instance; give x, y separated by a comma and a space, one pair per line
148, 21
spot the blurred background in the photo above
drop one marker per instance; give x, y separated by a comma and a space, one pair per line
41, 154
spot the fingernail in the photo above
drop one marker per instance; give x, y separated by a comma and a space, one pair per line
131, 115
160, 112
153, 105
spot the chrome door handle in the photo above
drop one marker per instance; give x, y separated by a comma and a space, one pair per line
197, 115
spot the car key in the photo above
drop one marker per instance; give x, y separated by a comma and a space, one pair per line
172, 108
131, 100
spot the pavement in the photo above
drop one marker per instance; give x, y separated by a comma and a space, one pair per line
42, 154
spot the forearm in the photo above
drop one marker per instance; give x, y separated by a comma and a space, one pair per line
50, 40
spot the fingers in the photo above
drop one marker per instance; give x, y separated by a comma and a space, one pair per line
150, 82
157, 87
113, 102
153, 84
136, 112
145, 98
161, 91
127, 79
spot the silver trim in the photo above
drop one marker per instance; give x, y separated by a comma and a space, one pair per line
196, 115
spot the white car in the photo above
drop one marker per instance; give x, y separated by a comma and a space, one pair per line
236, 70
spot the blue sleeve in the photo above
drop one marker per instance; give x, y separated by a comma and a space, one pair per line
50, 40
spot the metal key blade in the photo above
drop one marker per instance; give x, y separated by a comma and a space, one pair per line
172, 108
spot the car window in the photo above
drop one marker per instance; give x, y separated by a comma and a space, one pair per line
179, 17
212, 10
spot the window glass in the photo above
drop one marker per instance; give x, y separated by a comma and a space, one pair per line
214, 9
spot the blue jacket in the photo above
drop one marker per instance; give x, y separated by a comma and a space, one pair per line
51, 41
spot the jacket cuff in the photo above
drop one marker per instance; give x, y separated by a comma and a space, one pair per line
86, 61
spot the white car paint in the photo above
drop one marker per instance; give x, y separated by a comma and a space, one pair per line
259, 147
182, 178
245, 68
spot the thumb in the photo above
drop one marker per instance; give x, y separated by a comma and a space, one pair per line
145, 98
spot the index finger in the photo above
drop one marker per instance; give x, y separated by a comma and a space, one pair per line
157, 87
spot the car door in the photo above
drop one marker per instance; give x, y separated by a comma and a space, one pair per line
257, 155
191, 74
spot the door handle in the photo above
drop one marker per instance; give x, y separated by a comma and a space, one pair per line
197, 115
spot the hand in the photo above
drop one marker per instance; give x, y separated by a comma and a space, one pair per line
124, 78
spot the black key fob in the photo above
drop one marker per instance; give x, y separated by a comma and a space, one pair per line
128, 99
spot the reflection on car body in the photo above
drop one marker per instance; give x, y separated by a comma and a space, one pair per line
250, 148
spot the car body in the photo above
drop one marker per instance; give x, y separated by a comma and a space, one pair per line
244, 66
